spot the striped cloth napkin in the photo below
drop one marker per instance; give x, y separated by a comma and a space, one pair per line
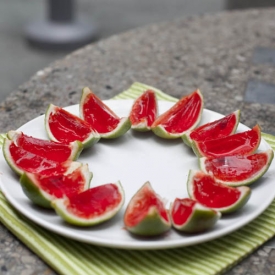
71, 257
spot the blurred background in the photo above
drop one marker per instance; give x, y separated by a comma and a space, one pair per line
20, 59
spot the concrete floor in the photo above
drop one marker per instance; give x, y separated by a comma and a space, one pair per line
19, 61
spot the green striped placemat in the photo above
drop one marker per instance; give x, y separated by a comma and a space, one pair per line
71, 257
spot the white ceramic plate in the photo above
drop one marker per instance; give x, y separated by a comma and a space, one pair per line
133, 159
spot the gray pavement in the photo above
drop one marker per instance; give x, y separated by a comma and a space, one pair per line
19, 61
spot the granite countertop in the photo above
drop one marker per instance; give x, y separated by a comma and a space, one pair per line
230, 56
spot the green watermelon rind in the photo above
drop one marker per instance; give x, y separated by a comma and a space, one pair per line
152, 225
246, 182
188, 141
201, 219
200, 154
160, 131
34, 193
244, 197
186, 138
11, 134
141, 127
123, 126
38, 196
196, 150
59, 207
7, 156
92, 139
77, 149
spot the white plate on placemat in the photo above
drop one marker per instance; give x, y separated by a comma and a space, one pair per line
134, 159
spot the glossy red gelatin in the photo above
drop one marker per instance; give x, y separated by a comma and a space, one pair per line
33, 163
99, 115
59, 185
95, 201
47, 149
236, 168
66, 127
243, 143
183, 115
213, 194
144, 109
182, 209
217, 129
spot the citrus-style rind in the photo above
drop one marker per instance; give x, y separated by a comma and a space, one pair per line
153, 223
60, 207
50, 109
7, 155
32, 189
159, 130
11, 134
89, 141
76, 147
245, 193
33, 192
196, 150
200, 150
238, 117
123, 126
247, 181
141, 127
201, 219
188, 140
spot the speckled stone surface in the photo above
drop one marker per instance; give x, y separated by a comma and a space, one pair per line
213, 53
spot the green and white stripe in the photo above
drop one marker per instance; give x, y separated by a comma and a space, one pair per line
70, 257
138, 88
